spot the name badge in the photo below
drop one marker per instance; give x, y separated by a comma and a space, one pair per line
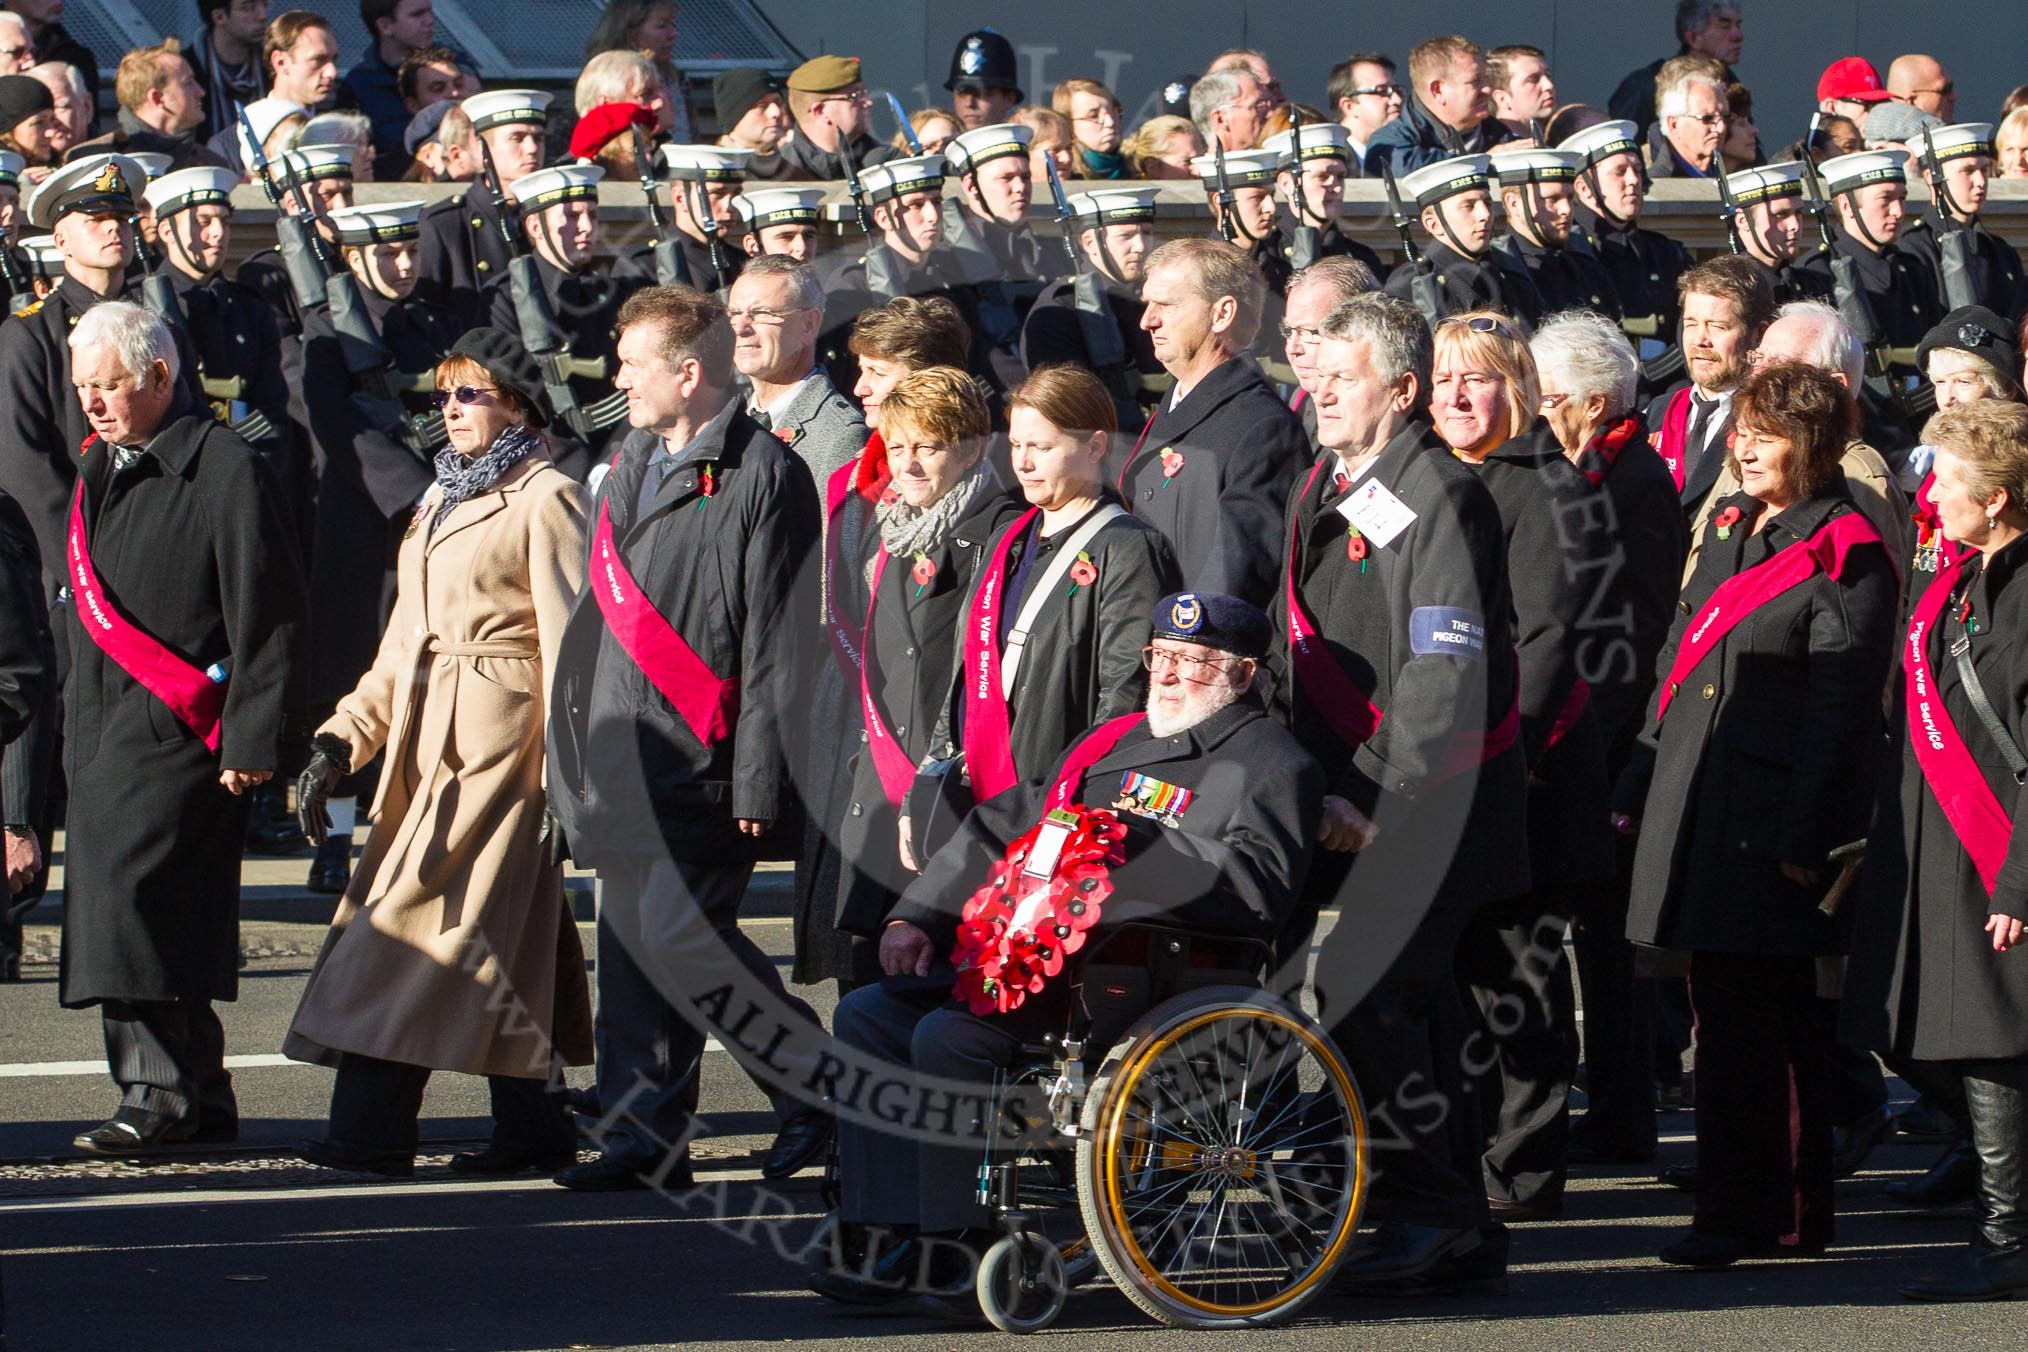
1379, 515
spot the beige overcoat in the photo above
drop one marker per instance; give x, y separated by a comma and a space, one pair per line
453, 948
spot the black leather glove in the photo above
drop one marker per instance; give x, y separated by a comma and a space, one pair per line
330, 761
552, 836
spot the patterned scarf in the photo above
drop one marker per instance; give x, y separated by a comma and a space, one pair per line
1602, 452
907, 530
461, 478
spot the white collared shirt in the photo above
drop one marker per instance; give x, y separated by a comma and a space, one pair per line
780, 405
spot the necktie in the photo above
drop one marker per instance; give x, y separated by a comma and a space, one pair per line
1693, 436
760, 415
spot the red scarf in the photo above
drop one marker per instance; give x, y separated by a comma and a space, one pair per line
1602, 452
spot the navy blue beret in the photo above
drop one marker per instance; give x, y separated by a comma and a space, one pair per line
1214, 620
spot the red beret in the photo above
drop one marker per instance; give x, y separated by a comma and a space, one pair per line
603, 123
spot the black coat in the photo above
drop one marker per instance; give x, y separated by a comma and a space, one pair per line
912, 656
461, 250
1276, 254
239, 349
1998, 279
1790, 282
1768, 753
1223, 509
1924, 980
27, 670
1055, 334
627, 776
191, 544
1494, 281
636, 267
1644, 267
1905, 293
855, 282
1569, 278
267, 276
1005, 270
586, 305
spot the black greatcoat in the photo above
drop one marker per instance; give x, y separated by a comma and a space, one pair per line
1906, 295
636, 267
1222, 510
461, 250
191, 544
27, 669
267, 276
1790, 282
1924, 980
627, 776
1768, 754
234, 336
1644, 267
912, 656
1998, 279
587, 309
1491, 282
1055, 334
1569, 278
1276, 254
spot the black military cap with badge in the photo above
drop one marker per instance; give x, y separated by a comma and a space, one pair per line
1980, 332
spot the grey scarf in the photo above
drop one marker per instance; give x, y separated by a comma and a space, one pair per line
461, 478
907, 530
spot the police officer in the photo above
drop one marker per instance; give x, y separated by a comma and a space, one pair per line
1973, 265
1643, 265
780, 221
1310, 179
1768, 225
464, 245
996, 251
1457, 214
1538, 195
984, 83
1898, 288
704, 182
324, 176
1093, 319
559, 210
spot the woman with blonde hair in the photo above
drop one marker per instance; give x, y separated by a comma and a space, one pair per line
933, 127
1162, 147
649, 28
453, 948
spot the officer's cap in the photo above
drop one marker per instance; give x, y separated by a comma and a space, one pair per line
1603, 141
1765, 183
153, 162
705, 164
1320, 141
1979, 331
100, 183
1535, 165
1958, 140
205, 185
307, 164
779, 206
11, 166
898, 178
825, 75
378, 223
1433, 183
1849, 173
1114, 206
45, 260
1214, 620
498, 107
563, 183
967, 152
1243, 168
264, 115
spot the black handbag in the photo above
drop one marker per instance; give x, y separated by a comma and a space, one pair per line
937, 803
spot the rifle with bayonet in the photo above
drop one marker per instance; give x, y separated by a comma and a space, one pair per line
1424, 290
907, 127
158, 297
667, 250
1228, 206
302, 251
1104, 345
1954, 242
1303, 240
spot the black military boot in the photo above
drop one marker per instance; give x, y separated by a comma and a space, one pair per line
1995, 1267
331, 870
270, 827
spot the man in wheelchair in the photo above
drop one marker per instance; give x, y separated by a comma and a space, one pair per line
1209, 812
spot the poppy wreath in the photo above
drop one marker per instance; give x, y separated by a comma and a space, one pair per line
1000, 966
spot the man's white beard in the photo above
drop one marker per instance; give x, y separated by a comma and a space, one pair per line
1200, 703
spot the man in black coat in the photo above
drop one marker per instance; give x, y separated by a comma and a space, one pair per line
27, 699
1226, 851
1093, 318
667, 773
1212, 470
183, 589
1470, 274
1643, 265
1538, 196
464, 244
1769, 226
1394, 664
704, 182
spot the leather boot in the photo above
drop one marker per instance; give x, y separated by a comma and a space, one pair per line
1995, 1267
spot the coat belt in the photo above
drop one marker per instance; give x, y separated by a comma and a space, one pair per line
492, 647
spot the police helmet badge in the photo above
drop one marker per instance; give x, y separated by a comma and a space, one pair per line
1186, 616
972, 59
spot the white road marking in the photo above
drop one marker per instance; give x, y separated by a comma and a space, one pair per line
37, 1070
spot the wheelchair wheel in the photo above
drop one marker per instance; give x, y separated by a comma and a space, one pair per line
1222, 1163
1021, 1283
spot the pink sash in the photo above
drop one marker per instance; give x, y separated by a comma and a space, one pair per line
1954, 779
890, 762
195, 699
1127, 466
1929, 527
989, 728
1349, 711
706, 704
1675, 431
1740, 595
1092, 748
844, 643
1572, 710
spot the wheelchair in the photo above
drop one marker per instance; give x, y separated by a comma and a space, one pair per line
1200, 1141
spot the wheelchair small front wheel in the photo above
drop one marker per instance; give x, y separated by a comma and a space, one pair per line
1021, 1283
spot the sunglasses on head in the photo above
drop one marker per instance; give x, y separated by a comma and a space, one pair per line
466, 394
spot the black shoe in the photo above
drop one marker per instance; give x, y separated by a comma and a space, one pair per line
1985, 1273
1682, 1177
1853, 1143
606, 1174
937, 1267
131, 1129
1707, 1252
331, 870
1924, 1121
1675, 1096
800, 1143
1480, 1271
1954, 1178
500, 1160
1509, 1212
352, 1158
215, 1130
270, 827
1395, 1254
10, 965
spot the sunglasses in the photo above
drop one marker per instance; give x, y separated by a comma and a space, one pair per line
1480, 324
465, 394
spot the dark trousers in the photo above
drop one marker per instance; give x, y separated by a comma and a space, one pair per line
1522, 1054
1763, 1092
896, 1179
1858, 1086
668, 934
379, 1103
1619, 1035
168, 1056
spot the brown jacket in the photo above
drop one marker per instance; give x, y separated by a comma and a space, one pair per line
453, 948
1867, 478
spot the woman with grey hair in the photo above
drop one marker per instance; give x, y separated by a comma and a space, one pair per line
347, 129
74, 106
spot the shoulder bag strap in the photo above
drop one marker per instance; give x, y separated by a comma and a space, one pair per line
1045, 587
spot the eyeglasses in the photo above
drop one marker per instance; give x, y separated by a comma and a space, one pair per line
762, 314
1307, 335
858, 96
1707, 119
1194, 669
465, 394
1386, 91
28, 54
1102, 115
1948, 88
1479, 324
1551, 401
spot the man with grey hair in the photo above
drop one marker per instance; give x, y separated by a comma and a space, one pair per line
1230, 108
776, 307
185, 644
1313, 293
1394, 664
1692, 109
1703, 28
17, 48
1213, 468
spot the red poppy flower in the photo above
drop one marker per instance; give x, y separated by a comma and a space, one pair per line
1355, 547
925, 570
1725, 521
706, 484
1082, 573
1172, 461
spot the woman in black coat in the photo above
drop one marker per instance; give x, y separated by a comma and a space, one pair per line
945, 503
1933, 977
1756, 763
